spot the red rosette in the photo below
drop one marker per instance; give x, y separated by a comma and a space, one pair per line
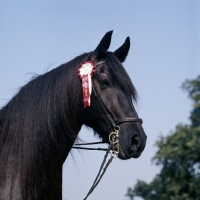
86, 68
85, 72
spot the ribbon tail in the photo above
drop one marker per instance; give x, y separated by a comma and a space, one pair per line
86, 92
90, 88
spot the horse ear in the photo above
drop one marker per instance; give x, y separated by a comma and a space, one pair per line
122, 51
103, 45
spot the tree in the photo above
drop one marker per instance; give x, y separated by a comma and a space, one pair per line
193, 89
130, 193
178, 155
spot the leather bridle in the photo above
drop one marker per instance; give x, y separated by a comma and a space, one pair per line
113, 138
107, 112
114, 125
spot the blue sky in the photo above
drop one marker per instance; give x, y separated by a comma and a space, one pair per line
37, 36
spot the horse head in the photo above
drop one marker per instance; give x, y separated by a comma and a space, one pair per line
111, 109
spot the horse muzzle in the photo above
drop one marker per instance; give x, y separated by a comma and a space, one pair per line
133, 148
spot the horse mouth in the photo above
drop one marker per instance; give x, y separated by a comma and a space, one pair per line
125, 154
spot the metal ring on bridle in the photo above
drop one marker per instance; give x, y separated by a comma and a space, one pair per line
114, 140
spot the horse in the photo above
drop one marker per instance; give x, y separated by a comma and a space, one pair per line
40, 124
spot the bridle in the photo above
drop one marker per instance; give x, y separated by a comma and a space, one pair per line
114, 124
113, 147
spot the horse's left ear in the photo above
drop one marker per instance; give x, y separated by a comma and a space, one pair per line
103, 45
122, 51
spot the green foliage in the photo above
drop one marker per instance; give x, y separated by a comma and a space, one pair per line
193, 89
130, 193
178, 155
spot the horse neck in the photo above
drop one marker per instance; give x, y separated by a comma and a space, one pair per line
37, 129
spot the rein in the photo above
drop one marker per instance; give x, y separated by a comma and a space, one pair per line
113, 149
85, 148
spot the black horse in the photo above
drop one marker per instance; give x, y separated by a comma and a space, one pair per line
39, 126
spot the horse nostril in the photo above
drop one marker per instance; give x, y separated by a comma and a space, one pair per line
135, 139
134, 142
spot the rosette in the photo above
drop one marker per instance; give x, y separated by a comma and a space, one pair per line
85, 72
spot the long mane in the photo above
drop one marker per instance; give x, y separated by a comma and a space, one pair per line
33, 123
37, 119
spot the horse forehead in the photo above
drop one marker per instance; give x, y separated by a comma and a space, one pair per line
102, 68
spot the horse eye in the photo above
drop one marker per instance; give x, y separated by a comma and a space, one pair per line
103, 83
